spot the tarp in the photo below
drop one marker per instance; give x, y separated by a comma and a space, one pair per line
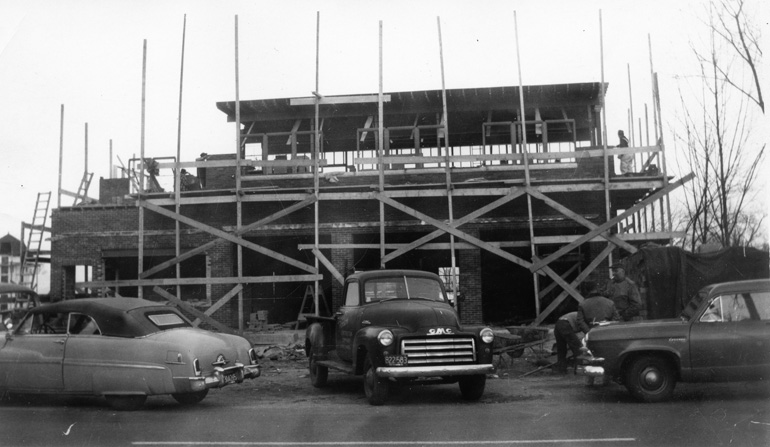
672, 276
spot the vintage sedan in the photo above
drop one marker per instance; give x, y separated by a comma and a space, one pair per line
124, 349
722, 335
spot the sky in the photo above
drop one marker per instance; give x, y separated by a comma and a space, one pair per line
86, 55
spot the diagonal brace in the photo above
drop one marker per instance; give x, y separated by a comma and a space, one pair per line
610, 223
449, 229
229, 237
513, 194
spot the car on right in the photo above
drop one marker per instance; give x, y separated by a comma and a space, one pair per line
722, 335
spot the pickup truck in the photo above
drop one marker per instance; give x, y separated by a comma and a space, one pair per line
722, 335
397, 326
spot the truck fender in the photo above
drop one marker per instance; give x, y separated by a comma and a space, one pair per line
365, 343
314, 340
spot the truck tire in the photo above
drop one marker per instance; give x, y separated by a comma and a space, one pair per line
376, 388
650, 378
472, 387
318, 374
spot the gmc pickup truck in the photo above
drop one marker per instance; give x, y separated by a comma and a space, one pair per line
398, 326
722, 335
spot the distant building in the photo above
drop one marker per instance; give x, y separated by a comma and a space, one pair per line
10, 259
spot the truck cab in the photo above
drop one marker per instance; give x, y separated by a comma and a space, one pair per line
397, 326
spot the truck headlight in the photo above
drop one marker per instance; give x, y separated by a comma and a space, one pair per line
487, 336
385, 338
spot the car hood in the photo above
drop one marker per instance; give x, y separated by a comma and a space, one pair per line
411, 315
639, 330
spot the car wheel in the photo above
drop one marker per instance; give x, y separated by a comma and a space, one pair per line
650, 379
472, 387
318, 374
376, 388
190, 398
126, 403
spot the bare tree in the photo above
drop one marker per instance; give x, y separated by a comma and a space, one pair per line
719, 147
735, 27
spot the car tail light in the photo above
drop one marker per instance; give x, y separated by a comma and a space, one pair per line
253, 356
197, 367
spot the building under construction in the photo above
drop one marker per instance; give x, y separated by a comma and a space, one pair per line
514, 209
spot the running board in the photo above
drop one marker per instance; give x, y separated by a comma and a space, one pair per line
337, 365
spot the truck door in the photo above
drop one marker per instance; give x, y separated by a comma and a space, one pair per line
348, 321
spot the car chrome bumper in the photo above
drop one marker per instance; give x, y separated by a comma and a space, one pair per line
433, 371
225, 376
593, 371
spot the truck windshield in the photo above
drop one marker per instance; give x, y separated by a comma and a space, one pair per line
403, 287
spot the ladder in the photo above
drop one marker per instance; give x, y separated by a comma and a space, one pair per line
31, 255
308, 304
85, 183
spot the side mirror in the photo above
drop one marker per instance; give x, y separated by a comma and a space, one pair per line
8, 324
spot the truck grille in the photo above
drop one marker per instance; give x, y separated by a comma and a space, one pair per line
436, 351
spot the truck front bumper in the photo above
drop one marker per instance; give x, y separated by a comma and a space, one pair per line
399, 372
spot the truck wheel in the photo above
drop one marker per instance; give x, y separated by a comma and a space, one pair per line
376, 388
318, 373
190, 398
472, 387
650, 379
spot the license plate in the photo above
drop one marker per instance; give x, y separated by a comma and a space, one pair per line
396, 360
231, 378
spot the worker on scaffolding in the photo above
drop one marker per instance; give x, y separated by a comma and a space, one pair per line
626, 160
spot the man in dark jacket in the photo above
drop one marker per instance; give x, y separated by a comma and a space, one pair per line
595, 308
624, 293
566, 333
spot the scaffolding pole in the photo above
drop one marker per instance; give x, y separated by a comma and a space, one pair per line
238, 192
447, 168
525, 153
604, 131
140, 248
177, 173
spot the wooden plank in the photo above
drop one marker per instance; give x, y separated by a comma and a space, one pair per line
579, 219
220, 302
610, 223
434, 246
345, 99
446, 228
230, 237
199, 281
194, 311
513, 193
337, 275
553, 285
78, 196
579, 279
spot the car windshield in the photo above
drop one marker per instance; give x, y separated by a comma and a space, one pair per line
403, 287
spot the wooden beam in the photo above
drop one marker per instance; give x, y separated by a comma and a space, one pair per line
553, 285
351, 99
579, 279
579, 219
513, 193
199, 281
451, 230
194, 311
332, 269
434, 246
607, 225
221, 302
230, 237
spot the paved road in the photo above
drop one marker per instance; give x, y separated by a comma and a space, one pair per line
282, 409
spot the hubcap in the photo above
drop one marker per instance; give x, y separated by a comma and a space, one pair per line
651, 378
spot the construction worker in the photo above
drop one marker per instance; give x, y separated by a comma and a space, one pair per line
626, 160
595, 308
566, 333
624, 293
